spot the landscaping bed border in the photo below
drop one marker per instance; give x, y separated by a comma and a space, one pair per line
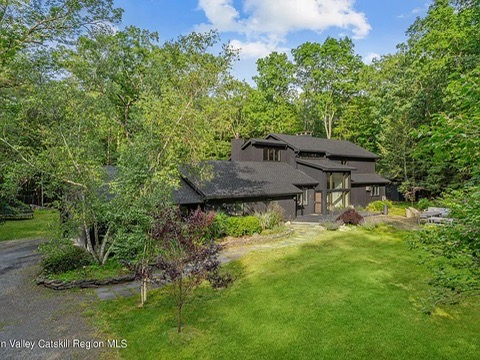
83, 284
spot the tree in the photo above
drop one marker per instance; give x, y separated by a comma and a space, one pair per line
272, 104
360, 122
26, 23
113, 106
187, 254
327, 73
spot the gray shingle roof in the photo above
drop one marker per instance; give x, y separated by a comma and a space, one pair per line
328, 146
325, 165
265, 142
185, 194
244, 179
367, 179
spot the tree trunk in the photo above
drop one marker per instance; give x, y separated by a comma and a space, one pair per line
179, 317
143, 291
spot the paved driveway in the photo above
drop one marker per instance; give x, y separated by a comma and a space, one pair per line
42, 316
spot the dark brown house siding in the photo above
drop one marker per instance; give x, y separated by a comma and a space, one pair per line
362, 197
250, 206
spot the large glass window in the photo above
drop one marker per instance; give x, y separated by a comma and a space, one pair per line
271, 154
338, 190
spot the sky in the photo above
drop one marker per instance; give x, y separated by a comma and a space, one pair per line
258, 27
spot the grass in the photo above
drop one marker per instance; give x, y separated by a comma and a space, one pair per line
41, 226
398, 208
98, 272
353, 295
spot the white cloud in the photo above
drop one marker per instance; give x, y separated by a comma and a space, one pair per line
368, 59
255, 49
274, 19
284, 16
221, 13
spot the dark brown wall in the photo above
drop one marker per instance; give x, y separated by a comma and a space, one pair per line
360, 196
288, 203
236, 149
255, 153
290, 157
363, 167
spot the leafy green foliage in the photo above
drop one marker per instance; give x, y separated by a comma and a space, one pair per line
378, 205
242, 225
14, 209
424, 203
59, 256
455, 249
128, 245
328, 74
218, 229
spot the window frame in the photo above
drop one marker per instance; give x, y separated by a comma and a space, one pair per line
375, 190
272, 154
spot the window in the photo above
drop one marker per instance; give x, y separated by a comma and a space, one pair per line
338, 190
271, 154
338, 181
375, 190
302, 199
344, 162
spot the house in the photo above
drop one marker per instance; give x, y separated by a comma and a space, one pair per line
304, 174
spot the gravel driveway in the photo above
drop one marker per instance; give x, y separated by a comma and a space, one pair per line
41, 316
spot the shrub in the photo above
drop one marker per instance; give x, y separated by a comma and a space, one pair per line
239, 226
14, 209
272, 217
218, 229
350, 217
454, 249
424, 203
378, 205
128, 246
61, 255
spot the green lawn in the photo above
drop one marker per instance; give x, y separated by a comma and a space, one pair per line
42, 225
345, 295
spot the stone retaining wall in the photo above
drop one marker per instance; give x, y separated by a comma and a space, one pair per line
91, 283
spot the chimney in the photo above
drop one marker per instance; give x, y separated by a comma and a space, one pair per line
304, 133
236, 148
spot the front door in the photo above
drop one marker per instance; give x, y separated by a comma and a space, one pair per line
318, 202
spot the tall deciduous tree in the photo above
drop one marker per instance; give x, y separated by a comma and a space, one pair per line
327, 74
272, 105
